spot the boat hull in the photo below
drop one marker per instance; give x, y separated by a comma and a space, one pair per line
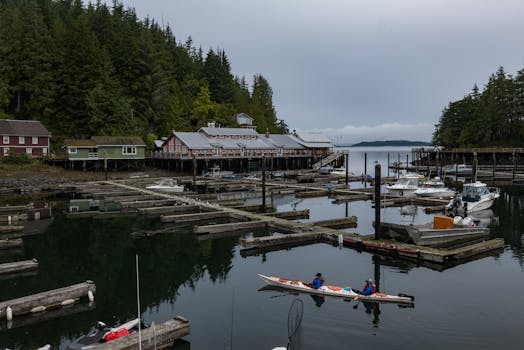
401, 192
434, 194
176, 189
333, 291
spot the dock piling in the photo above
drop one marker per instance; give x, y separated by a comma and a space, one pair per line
377, 201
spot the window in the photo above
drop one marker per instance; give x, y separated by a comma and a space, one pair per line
6, 140
72, 150
128, 150
21, 140
29, 150
6, 151
34, 140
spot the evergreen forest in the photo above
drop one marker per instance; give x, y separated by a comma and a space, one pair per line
93, 69
493, 117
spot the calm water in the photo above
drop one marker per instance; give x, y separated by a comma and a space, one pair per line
470, 306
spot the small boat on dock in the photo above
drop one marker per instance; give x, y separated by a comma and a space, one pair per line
216, 172
406, 185
335, 291
442, 232
166, 186
434, 188
475, 196
101, 333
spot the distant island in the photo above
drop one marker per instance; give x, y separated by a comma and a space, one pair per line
396, 143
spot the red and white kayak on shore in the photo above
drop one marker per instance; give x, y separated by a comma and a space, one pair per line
335, 291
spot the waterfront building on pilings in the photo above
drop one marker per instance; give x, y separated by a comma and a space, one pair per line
240, 150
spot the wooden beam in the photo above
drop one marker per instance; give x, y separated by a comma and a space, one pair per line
235, 226
290, 215
18, 266
11, 243
195, 217
159, 336
153, 211
49, 299
337, 223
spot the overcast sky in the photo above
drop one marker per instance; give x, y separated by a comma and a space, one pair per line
357, 70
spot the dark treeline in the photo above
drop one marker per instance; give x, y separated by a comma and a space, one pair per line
493, 117
99, 70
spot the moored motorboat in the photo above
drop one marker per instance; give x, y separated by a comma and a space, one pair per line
442, 232
166, 186
434, 188
101, 333
405, 186
475, 196
335, 291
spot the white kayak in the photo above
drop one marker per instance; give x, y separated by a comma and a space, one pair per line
335, 291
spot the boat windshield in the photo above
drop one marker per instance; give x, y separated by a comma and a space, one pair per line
473, 193
408, 182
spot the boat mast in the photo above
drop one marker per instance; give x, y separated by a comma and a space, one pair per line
138, 305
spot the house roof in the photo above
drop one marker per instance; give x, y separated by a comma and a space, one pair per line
95, 141
243, 115
228, 131
194, 140
118, 140
247, 144
282, 141
22, 128
313, 137
79, 143
312, 144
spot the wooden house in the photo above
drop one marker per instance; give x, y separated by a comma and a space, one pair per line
106, 147
28, 137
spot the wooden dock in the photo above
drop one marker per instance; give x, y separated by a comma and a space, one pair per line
299, 233
47, 300
11, 243
18, 267
159, 336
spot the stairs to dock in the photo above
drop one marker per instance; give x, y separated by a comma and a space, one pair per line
328, 160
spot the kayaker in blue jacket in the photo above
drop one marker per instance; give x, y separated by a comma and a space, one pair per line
369, 288
318, 281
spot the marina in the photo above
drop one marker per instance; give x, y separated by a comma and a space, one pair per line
262, 226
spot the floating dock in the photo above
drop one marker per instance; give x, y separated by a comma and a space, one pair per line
18, 267
47, 300
240, 218
161, 336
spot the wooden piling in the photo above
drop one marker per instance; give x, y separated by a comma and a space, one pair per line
49, 299
377, 201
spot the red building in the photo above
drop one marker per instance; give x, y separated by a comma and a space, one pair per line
24, 136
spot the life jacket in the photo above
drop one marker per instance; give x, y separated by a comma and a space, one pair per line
116, 334
322, 280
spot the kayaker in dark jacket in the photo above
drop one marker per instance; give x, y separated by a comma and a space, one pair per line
318, 281
369, 288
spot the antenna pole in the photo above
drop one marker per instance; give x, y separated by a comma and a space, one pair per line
138, 305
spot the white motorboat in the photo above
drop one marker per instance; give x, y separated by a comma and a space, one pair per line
340, 172
434, 188
216, 172
406, 185
475, 196
167, 186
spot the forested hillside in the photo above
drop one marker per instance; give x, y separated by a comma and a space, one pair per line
493, 117
99, 70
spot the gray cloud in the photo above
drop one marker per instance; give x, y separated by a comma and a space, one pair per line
334, 63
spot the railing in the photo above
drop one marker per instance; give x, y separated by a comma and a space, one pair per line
92, 155
327, 160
